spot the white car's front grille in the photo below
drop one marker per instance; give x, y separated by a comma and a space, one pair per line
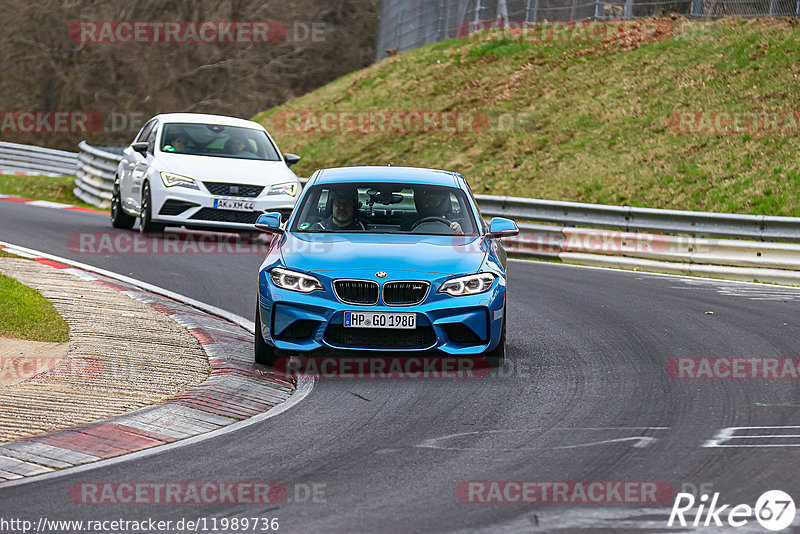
233, 190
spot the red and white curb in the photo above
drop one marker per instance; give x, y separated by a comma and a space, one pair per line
237, 393
48, 204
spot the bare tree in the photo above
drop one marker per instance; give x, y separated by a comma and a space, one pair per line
43, 69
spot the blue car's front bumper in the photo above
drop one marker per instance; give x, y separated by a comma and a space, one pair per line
300, 323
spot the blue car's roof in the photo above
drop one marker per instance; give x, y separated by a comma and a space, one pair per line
387, 174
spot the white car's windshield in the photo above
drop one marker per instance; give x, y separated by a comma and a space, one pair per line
383, 208
218, 141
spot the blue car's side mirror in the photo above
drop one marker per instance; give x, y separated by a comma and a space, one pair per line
270, 222
501, 227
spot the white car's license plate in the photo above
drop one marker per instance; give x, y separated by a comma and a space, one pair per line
400, 321
236, 205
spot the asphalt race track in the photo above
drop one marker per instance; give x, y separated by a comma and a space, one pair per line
585, 396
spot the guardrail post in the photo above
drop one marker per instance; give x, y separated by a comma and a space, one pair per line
628, 9
94, 182
440, 20
532, 9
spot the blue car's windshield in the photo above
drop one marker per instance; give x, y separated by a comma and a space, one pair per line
385, 208
219, 141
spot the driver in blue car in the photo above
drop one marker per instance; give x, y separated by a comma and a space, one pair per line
434, 204
344, 202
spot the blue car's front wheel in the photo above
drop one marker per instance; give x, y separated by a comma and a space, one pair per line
497, 356
264, 354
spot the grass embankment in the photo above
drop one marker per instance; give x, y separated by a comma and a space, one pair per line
52, 188
595, 117
26, 314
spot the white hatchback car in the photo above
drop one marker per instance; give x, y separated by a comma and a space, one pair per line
201, 171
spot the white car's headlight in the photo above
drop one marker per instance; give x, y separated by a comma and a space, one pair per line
468, 285
289, 188
294, 281
171, 179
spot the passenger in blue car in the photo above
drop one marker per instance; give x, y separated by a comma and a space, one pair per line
343, 204
434, 206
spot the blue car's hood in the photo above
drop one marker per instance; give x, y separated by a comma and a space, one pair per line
383, 252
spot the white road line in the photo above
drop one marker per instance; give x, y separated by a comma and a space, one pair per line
641, 441
698, 279
48, 204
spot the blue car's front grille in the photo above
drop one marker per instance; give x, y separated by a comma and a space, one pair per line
404, 293
356, 291
421, 337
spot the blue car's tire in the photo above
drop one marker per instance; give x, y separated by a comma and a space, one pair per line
497, 356
264, 354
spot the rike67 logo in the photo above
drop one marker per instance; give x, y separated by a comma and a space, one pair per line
774, 510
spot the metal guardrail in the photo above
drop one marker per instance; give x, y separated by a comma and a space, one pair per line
734, 259
618, 237
94, 182
589, 234
96, 168
627, 218
29, 158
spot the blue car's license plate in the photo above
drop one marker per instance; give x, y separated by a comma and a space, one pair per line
401, 321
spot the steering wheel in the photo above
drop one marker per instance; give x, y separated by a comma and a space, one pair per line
430, 219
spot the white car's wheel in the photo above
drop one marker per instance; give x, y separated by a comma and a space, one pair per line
146, 224
120, 219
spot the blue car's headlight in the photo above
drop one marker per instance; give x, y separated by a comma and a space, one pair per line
171, 179
294, 281
468, 285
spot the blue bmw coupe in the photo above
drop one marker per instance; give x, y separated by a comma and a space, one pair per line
383, 260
